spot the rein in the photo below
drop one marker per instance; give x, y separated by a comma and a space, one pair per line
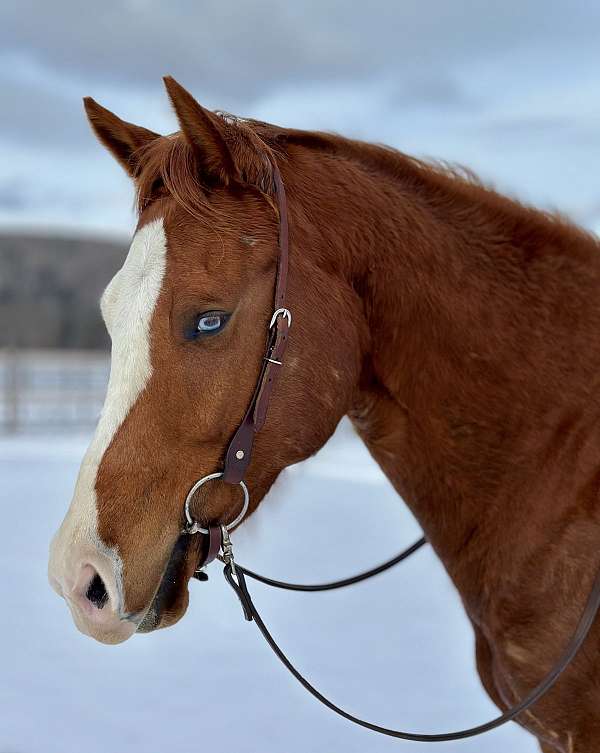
332, 585
237, 459
235, 575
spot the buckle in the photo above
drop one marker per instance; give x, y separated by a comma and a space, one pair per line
285, 313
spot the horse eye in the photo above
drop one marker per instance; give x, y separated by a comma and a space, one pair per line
211, 322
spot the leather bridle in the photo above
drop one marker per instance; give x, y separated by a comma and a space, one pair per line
237, 459
239, 451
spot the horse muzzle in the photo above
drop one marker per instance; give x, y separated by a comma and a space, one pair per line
89, 581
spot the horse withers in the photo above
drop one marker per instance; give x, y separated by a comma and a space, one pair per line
458, 329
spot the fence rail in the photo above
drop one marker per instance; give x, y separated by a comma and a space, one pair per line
54, 390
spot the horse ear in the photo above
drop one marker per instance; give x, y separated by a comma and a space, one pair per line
121, 138
226, 149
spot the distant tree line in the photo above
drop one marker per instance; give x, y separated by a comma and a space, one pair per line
50, 289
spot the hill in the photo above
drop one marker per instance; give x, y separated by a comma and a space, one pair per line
50, 287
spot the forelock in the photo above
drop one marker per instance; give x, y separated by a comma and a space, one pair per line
168, 167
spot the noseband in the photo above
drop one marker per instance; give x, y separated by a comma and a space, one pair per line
237, 459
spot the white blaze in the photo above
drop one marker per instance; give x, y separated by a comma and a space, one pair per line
127, 305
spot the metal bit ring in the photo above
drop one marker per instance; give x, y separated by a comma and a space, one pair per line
193, 526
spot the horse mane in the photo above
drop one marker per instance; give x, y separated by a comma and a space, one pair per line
448, 185
167, 166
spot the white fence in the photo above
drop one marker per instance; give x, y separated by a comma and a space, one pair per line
51, 390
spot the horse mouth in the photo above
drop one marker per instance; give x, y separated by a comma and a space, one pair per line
171, 599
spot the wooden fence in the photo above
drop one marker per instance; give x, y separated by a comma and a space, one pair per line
51, 390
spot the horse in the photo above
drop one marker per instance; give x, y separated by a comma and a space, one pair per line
457, 328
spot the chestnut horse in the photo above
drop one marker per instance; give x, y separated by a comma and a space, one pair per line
458, 329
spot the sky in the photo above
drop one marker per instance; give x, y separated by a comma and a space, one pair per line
508, 88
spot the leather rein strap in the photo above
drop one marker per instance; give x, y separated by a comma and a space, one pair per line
332, 585
239, 452
235, 576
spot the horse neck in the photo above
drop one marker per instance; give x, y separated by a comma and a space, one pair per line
478, 309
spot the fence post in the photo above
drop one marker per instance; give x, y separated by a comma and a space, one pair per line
12, 391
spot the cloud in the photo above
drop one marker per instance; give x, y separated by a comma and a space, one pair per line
14, 196
240, 50
508, 88
36, 109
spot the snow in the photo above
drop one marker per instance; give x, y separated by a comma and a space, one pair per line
397, 649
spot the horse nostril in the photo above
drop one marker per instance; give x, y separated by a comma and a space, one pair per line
96, 592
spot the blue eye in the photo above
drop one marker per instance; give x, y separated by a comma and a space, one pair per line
211, 322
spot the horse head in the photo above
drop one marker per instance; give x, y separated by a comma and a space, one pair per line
188, 315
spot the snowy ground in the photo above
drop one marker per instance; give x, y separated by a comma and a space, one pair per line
396, 649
